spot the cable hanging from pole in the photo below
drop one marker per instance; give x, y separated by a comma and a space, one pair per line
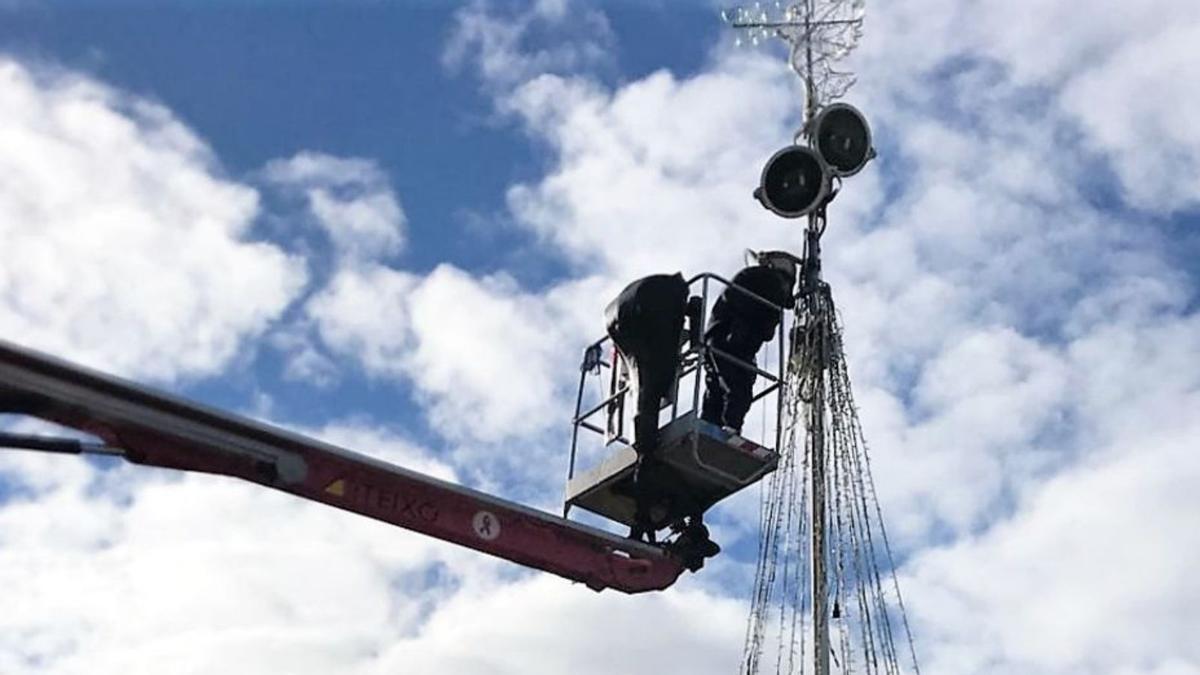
862, 602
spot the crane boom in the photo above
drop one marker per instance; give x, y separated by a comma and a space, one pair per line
156, 429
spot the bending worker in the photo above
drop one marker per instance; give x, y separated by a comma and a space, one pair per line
645, 323
739, 326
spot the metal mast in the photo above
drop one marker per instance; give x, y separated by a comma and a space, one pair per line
843, 523
819, 33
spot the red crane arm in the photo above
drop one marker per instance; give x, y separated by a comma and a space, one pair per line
156, 429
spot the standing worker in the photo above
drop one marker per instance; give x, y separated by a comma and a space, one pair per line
739, 326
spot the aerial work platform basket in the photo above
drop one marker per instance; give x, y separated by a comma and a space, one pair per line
703, 462
699, 463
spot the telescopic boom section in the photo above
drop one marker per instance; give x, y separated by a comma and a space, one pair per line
156, 429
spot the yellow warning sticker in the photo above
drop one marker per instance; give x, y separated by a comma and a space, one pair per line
337, 488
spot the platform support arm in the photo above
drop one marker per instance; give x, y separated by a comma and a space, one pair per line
156, 429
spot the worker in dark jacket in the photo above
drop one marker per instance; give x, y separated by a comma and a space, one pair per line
739, 326
646, 324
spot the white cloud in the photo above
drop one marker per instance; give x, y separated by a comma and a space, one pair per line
213, 574
1119, 75
1129, 106
349, 198
1095, 575
484, 355
1026, 365
485, 351
124, 247
1008, 336
303, 360
540, 625
544, 36
642, 183
205, 572
383, 444
365, 312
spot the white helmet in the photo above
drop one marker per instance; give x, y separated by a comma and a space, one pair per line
781, 261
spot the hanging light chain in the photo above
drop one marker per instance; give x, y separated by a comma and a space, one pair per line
859, 556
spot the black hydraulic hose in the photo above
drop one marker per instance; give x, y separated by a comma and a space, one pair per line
71, 446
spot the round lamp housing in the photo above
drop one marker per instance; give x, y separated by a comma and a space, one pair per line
842, 137
795, 182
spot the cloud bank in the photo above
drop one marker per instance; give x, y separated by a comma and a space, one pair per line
124, 246
1024, 351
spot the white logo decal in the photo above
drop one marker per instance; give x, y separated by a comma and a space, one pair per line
486, 526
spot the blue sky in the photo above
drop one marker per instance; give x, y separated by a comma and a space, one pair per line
373, 85
396, 225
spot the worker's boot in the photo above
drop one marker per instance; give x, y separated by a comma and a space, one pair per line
643, 482
642, 529
704, 545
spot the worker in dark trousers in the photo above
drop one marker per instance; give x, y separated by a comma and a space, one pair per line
739, 326
646, 324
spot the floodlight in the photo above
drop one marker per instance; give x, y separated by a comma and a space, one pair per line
843, 139
794, 182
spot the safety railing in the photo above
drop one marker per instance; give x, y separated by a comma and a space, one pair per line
695, 357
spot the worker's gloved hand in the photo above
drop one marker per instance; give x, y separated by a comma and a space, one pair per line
694, 545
